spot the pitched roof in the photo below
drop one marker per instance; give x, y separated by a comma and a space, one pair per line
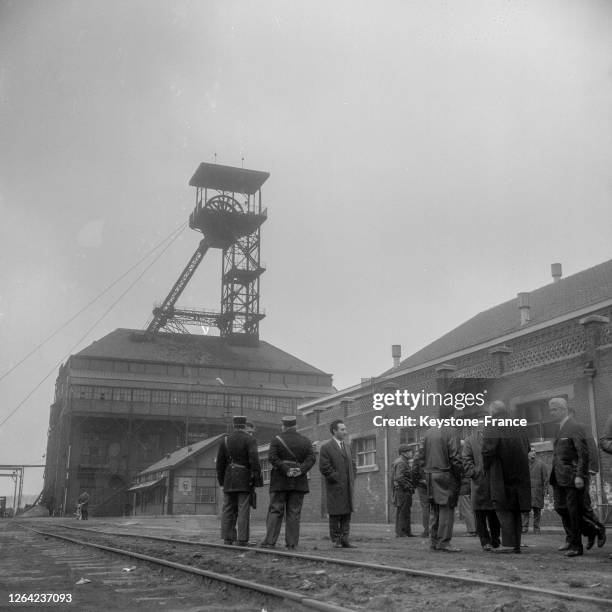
580, 290
181, 455
189, 349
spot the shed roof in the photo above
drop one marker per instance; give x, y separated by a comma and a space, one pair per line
228, 178
181, 455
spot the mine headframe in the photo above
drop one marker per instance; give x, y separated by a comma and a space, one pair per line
228, 212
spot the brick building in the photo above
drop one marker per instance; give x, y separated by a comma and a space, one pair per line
124, 402
554, 341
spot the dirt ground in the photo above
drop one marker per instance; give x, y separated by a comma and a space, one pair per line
540, 565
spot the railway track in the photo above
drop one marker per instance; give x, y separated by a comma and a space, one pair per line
325, 579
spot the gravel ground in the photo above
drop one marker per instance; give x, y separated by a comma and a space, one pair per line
540, 565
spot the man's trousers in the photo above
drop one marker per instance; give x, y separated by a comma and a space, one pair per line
289, 505
339, 527
235, 517
402, 516
424, 501
441, 520
487, 527
537, 514
511, 526
466, 513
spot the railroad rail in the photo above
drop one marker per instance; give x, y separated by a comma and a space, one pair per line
576, 597
306, 602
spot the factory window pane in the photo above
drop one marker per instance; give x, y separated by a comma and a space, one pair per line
206, 495
267, 403
197, 399
233, 401
250, 402
266, 470
122, 395
102, 393
284, 404
215, 399
82, 392
365, 451
178, 397
160, 397
141, 395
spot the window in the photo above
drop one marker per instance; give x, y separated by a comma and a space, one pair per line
94, 447
250, 402
284, 404
82, 392
266, 470
206, 495
156, 368
197, 399
174, 370
540, 423
215, 399
206, 473
365, 451
160, 397
178, 397
102, 393
122, 395
141, 395
411, 436
137, 368
267, 403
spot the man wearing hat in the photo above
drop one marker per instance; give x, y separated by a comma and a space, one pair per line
238, 471
291, 456
403, 488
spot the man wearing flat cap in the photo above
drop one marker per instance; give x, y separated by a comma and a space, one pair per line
238, 471
291, 456
403, 488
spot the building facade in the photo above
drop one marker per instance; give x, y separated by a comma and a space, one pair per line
124, 402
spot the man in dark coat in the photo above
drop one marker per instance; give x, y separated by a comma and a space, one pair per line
238, 471
338, 468
568, 476
291, 456
504, 457
420, 482
440, 460
538, 475
605, 442
487, 523
403, 489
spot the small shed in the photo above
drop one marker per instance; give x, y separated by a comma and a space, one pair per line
182, 482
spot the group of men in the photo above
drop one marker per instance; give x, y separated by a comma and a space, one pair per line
507, 482
291, 456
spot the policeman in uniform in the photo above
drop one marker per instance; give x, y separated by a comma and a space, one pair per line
238, 471
291, 457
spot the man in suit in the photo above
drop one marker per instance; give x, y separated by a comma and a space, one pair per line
487, 523
291, 457
605, 442
403, 488
338, 468
504, 457
238, 471
439, 460
568, 475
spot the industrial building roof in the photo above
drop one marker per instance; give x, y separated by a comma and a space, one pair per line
228, 178
586, 288
172, 460
212, 351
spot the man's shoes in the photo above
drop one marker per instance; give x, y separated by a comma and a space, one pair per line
590, 541
565, 546
265, 545
506, 549
601, 537
487, 548
289, 547
449, 549
242, 543
347, 545
573, 552
228, 542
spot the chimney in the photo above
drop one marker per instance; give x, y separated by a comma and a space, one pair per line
556, 271
396, 353
523, 304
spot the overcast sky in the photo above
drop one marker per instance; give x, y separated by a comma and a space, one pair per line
428, 160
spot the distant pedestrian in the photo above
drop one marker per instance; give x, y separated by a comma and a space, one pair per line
83, 505
538, 474
403, 489
238, 471
504, 455
291, 456
338, 468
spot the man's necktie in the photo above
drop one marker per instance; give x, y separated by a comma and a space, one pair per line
343, 448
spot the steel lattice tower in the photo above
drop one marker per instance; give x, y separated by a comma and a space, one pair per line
229, 214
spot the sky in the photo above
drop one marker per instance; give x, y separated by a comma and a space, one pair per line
428, 160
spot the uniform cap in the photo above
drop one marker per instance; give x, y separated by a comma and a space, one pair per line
289, 421
403, 448
239, 420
